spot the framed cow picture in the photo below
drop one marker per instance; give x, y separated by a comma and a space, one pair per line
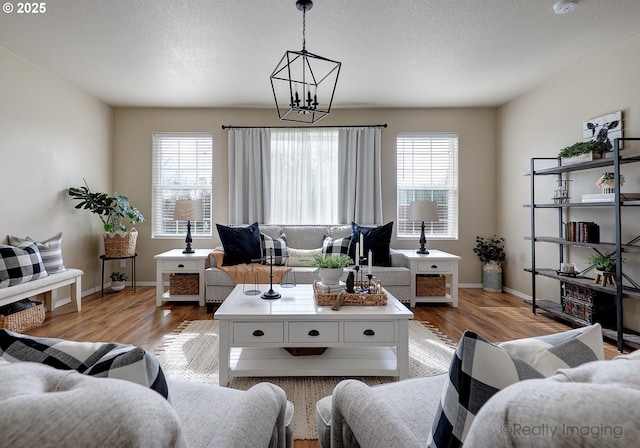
605, 128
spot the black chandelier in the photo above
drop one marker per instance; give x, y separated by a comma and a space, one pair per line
304, 82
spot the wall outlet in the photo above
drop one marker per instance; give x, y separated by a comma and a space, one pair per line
123, 263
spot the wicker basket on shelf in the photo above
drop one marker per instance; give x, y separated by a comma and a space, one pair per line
24, 320
184, 284
120, 244
376, 298
430, 285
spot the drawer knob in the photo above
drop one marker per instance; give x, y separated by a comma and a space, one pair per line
258, 333
180, 265
434, 266
314, 333
369, 333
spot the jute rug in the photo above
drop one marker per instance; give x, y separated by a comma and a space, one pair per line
191, 353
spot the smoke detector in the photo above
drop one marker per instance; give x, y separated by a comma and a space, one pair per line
565, 6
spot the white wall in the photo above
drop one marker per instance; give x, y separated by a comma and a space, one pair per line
51, 135
539, 124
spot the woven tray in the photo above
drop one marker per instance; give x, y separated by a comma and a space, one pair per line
378, 298
24, 320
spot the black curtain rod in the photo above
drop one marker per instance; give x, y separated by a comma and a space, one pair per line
306, 127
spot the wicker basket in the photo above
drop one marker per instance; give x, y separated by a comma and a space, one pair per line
378, 298
430, 285
184, 284
24, 320
120, 244
305, 351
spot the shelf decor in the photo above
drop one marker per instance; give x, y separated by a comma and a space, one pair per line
583, 151
607, 182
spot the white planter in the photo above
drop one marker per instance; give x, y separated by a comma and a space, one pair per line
330, 276
582, 158
492, 277
118, 286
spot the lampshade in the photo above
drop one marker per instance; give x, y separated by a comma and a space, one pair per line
187, 210
426, 211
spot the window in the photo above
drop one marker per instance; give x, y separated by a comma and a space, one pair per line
182, 169
304, 176
427, 165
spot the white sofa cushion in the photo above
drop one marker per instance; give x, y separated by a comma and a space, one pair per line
593, 405
50, 408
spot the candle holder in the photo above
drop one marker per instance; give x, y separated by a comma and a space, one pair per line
370, 285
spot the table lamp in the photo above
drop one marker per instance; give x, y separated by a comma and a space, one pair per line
425, 211
188, 210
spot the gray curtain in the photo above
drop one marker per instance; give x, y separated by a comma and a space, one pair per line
359, 177
249, 175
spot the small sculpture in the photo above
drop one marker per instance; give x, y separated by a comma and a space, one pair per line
351, 283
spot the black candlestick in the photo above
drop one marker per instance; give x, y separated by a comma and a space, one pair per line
188, 240
271, 294
423, 242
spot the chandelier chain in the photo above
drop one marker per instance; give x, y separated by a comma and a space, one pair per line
304, 28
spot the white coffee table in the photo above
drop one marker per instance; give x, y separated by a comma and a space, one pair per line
360, 339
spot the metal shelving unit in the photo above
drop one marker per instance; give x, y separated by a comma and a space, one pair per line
619, 334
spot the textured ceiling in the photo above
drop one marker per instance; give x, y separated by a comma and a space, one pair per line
407, 53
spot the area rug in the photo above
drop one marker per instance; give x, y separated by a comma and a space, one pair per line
191, 353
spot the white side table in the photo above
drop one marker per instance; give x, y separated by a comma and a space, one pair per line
174, 262
435, 262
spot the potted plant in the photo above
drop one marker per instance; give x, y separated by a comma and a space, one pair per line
118, 280
491, 252
583, 151
606, 182
603, 263
330, 267
116, 213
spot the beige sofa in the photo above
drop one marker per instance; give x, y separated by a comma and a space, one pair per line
395, 278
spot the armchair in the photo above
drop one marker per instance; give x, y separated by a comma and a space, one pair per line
55, 393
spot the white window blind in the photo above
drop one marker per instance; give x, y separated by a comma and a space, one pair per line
427, 170
304, 176
182, 169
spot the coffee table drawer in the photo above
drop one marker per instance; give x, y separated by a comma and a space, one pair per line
266, 332
313, 332
356, 331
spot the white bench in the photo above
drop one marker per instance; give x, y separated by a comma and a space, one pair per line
48, 287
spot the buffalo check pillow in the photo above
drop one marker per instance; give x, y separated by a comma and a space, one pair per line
100, 359
20, 264
276, 247
480, 369
338, 246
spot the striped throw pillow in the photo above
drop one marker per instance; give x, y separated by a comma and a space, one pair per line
50, 251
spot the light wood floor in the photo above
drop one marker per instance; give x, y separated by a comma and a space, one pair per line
133, 318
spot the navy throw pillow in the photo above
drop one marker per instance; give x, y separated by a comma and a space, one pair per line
376, 239
241, 244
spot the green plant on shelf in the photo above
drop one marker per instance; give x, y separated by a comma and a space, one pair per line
604, 263
583, 147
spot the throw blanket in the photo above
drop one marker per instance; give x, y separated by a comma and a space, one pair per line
238, 272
